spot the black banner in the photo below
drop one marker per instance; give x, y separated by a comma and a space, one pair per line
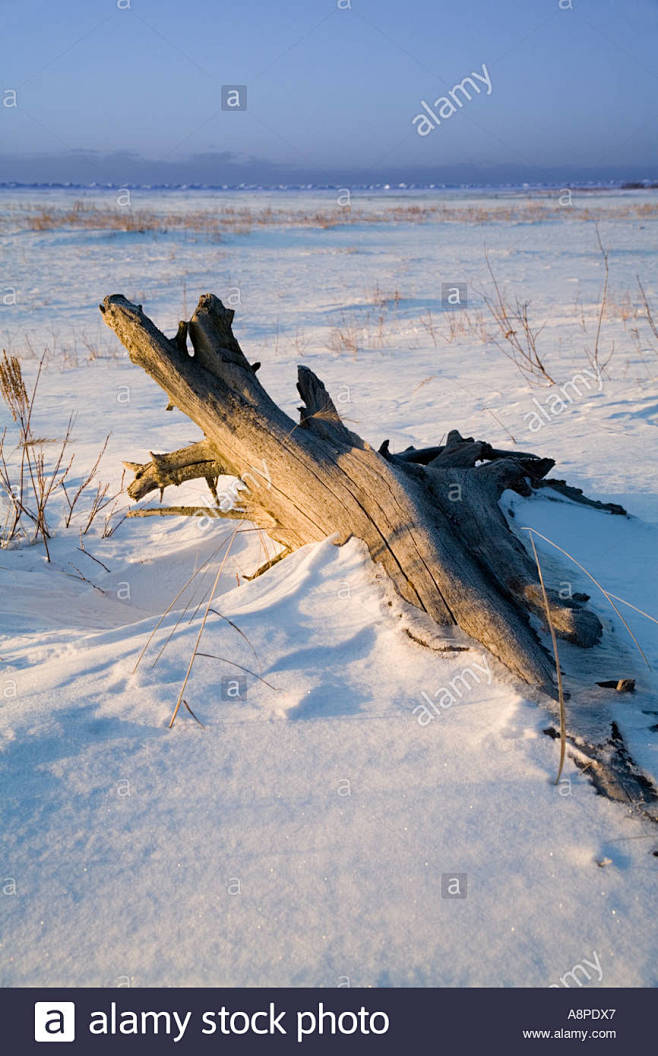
314, 1021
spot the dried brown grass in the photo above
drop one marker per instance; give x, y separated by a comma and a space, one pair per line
29, 476
215, 220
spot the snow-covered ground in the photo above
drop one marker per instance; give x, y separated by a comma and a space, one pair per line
307, 835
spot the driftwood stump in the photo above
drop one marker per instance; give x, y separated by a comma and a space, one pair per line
430, 517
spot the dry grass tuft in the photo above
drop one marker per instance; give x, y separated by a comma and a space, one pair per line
12, 386
29, 477
519, 337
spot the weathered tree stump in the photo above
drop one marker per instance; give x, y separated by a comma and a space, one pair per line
430, 517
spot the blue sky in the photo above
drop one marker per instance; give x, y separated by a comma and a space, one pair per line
107, 92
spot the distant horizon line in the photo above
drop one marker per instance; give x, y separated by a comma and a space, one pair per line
583, 185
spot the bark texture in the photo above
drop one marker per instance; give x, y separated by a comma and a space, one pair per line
430, 517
